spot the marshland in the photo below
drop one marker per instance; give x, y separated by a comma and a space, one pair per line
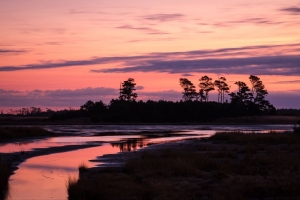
65, 162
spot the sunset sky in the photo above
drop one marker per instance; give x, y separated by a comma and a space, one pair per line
59, 54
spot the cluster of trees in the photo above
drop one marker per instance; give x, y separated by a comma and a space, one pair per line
194, 107
31, 111
254, 98
206, 85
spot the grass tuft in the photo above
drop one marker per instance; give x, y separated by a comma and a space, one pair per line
83, 167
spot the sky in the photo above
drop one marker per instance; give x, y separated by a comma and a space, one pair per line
59, 54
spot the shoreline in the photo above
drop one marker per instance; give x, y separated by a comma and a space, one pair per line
251, 120
19, 157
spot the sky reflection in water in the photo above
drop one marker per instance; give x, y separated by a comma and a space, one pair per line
44, 177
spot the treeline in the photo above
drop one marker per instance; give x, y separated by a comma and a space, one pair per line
288, 112
119, 111
194, 107
30, 111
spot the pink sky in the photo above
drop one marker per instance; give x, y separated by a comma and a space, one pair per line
60, 54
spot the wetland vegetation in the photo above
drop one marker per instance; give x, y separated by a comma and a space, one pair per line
17, 132
228, 165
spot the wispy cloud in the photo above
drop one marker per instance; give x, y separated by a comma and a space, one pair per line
187, 74
55, 98
76, 98
292, 10
11, 51
285, 99
144, 29
261, 60
139, 87
248, 21
287, 82
262, 65
164, 17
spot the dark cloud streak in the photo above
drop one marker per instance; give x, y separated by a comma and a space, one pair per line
144, 29
164, 17
260, 60
292, 10
11, 51
263, 65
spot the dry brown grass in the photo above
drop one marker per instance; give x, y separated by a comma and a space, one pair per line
227, 166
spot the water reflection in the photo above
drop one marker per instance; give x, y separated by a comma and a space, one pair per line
130, 144
44, 177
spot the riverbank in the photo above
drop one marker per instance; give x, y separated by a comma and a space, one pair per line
32, 121
225, 166
19, 132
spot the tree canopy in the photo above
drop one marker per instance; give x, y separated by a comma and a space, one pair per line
127, 89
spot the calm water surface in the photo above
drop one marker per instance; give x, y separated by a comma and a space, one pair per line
44, 177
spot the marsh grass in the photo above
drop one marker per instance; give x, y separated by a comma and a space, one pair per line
83, 167
239, 166
237, 137
22, 132
5, 172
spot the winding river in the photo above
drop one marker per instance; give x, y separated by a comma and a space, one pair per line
45, 176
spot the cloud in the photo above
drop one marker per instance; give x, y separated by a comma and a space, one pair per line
75, 98
260, 60
187, 74
140, 87
55, 98
144, 29
11, 51
292, 10
287, 82
286, 99
255, 20
168, 95
164, 17
262, 65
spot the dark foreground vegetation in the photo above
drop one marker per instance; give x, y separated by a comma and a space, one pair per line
226, 166
5, 172
17, 132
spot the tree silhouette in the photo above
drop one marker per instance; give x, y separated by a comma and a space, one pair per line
206, 85
189, 89
259, 93
127, 89
243, 96
222, 88
88, 106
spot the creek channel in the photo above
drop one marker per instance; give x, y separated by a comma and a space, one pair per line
45, 176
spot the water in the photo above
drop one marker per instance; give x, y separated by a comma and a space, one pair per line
44, 177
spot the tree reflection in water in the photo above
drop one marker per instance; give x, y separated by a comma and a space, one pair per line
131, 144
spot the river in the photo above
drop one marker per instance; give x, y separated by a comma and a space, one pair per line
45, 177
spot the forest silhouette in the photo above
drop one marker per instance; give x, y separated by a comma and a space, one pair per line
194, 106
